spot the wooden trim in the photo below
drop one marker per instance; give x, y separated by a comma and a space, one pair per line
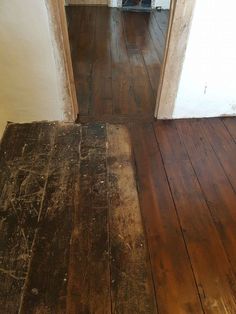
59, 24
181, 13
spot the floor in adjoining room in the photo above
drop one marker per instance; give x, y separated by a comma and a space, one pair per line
112, 219
116, 57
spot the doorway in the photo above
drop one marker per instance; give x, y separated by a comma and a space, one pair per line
117, 57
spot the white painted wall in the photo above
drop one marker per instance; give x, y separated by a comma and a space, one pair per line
208, 81
30, 78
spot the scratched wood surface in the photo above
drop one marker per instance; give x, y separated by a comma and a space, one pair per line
24, 155
89, 272
46, 286
72, 239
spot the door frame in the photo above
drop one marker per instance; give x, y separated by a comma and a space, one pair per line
181, 13
59, 28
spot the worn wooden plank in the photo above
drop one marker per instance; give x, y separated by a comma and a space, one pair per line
218, 191
230, 123
162, 19
156, 35
214, 275
25, 150
223, 145
122, 87
46, 286
89, 280
144, 97
176, 291
102, 70
147, 48
82, 21
132, 287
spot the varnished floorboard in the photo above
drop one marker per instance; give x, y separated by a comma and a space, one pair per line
116, 59
77, 236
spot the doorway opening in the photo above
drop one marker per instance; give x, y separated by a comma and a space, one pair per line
117, 57
137, 5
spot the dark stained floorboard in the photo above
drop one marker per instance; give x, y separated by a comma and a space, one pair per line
176, 290
218, 191
230, 124
224, 146
122, 86
82, 29
116, 59
200, 232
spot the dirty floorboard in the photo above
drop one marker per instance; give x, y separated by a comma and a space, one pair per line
103, 218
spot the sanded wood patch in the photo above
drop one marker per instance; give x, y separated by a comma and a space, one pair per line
132, 289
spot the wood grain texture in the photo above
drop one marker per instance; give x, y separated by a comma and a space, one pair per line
59, 30
176, 290
122, 87
132, 287
89, 279
200, 233
231, 126
46, 286
223, 145
25, 150
83, 20
218, 191
181, 13
102, 70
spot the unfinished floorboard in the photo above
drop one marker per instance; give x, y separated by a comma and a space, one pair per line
24, 155
132, 288
46, 286
175, 286
89, 280
200, 233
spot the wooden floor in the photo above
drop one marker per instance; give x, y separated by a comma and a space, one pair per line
76, 237
116, 58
